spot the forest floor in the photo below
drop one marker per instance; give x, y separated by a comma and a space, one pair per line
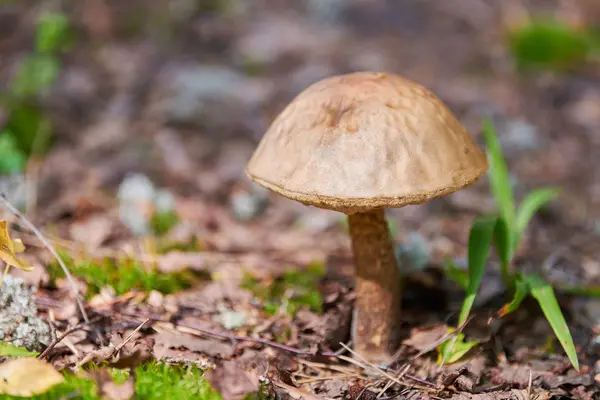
160, 107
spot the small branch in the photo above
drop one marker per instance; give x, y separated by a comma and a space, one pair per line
529, 384
46, 243
64, 335
233, 338
130, 336
382, 371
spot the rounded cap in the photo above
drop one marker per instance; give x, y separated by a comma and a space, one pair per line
366, 140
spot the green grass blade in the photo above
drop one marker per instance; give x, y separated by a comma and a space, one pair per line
503, 243
454, 349
480, 239
499, 177
588, 291
544, 294
531, 204
457, 275
520, 293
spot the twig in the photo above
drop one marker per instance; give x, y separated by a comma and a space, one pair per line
46, 243
130, 336
529, 384
64, 335
390, 383
380, 370
342, 349
313, 379
234, 338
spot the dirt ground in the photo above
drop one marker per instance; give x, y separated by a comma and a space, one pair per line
182, 93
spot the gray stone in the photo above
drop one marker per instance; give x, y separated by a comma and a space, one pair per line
414, 253
196, 88
520, 134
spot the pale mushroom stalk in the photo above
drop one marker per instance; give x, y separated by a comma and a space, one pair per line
377, 307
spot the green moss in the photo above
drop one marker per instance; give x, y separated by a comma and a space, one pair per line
74, 387
12, 159
160, 381
123, 275
302, 284
192, 245
162, 222
152, 381
119, 376
546, 43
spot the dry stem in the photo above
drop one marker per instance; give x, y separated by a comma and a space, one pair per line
50, 248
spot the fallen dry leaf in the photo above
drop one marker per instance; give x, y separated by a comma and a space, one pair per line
424, 338
124, 391
295, 393
16, 377
92, 231
212, 348
513, 394
233, 382
109, 390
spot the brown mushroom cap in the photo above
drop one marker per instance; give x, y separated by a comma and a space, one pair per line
366, 140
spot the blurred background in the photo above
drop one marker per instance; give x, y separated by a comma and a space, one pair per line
166, 100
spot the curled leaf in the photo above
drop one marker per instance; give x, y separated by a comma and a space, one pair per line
9, 248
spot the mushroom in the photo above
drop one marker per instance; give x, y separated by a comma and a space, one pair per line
359, 143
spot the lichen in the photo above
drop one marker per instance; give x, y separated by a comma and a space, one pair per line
19, 323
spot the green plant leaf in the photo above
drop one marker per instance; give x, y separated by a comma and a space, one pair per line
521, 290
552, 44
499, 177
12, 159
457, 275
37, 73
503, 243
480, 239
31, 128
530, 205
588, 291
544, 294
52, 33
454, 349
10, 350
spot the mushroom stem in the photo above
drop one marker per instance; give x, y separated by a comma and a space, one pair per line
378, 288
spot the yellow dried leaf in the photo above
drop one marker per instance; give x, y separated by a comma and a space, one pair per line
19, 246
8, 248
27, 377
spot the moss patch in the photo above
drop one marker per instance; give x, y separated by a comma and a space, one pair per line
152, 381
123, 275
297, 288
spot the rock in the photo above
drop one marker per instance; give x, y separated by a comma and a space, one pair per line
15, 189
19, 322
139, 200
329, 11
414, 253
195, 88
520, 134
249, 204
135, 195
